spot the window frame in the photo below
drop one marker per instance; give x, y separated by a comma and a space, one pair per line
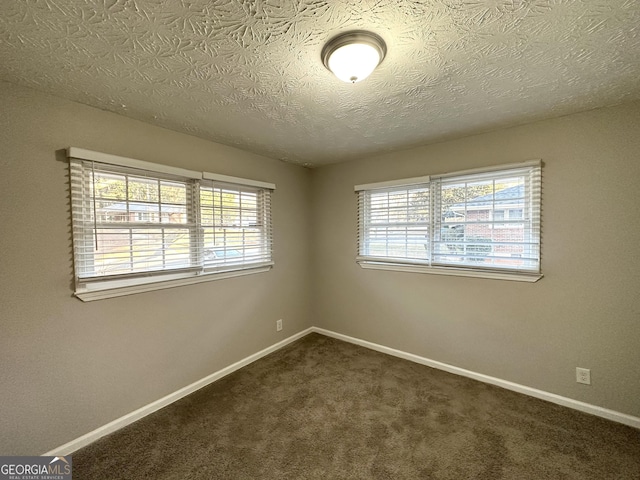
434, 184
96, 287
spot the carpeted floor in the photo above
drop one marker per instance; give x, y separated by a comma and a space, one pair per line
325, 409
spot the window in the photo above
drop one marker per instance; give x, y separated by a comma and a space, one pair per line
515, 214
235, 223
139, 226
475, 223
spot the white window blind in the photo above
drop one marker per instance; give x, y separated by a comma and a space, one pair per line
138, 226
485, 220
236, 225
394, 224
128, 221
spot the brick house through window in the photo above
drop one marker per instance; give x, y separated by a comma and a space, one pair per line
490, 225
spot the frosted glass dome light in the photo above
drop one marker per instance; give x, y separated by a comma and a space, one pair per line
353, 56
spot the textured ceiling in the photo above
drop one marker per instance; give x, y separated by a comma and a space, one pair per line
249, 74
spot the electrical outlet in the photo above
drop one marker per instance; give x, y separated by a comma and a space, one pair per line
583, 375
278, 325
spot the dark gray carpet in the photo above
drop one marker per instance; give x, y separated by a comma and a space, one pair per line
325, 409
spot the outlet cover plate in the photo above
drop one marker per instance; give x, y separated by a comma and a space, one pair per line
583, 375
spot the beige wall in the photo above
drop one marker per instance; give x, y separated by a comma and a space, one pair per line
68, 367
584, 312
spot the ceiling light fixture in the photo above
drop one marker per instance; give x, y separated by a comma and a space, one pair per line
352, 56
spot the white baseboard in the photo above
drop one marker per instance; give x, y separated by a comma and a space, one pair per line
532, 392
84, 440
125, 420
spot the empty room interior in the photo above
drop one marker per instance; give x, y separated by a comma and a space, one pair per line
232, 250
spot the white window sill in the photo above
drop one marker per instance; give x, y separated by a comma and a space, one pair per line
459, 272
91, 292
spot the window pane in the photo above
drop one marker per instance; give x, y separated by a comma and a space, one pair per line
173, 192
144, 212
142, 189
110, 185
515, 214
173, 213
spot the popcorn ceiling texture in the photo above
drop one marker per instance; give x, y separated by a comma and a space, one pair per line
249, 74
